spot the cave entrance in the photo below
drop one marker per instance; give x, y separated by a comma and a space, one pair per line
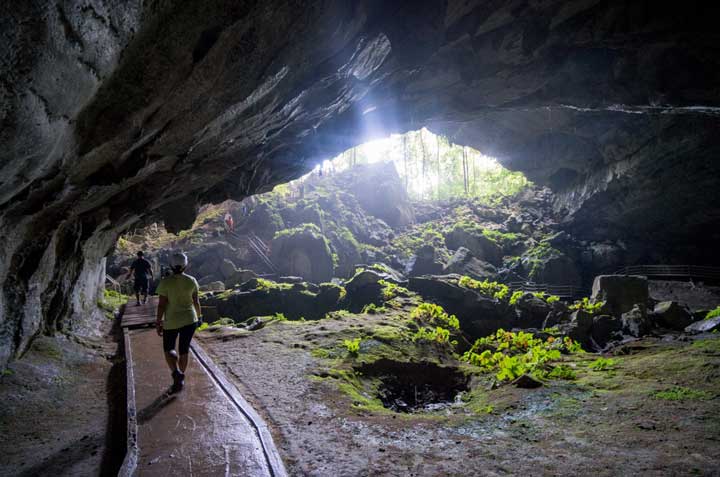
415, 387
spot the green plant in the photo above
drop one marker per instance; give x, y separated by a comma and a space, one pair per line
337, 315
502, 239
587, 306
352, 346
379, 267
437, 335
495, 290
681, 393
279, 317
552, 299
713, 313
434, 314
373, 309
515, 297
391, 290
203, 327
603, 364
511, 354
562, 372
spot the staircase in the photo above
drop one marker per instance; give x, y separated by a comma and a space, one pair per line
258, 247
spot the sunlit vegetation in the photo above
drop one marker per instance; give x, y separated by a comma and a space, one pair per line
352, 346
390, 290
498, 291
603, 364
588, 306
430, 313
681, 393
433, 168
509, 355
373, 309
438, 335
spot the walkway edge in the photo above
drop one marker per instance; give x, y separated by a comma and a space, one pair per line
272, 456
129, 465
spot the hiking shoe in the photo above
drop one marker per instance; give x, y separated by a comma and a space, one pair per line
178, 381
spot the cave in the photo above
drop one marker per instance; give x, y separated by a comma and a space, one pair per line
116, 116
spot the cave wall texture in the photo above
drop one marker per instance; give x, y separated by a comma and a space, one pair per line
117, 112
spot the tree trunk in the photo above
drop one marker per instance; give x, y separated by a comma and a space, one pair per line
424, 160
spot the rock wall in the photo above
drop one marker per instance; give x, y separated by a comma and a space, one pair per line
115, 112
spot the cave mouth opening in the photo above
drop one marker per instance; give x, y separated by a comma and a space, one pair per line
432, 167
415, 387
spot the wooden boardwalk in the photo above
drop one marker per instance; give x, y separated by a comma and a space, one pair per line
142, 315
206, 429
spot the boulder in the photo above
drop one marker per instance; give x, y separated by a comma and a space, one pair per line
531, 311
463, 262
704, 326
605, 329
479, 316
303, 251
213, 287
620, 292
580, 327
636, 322
227, 268
239, 277
480, 246
555, 269
381, 193
672, 315
426, 262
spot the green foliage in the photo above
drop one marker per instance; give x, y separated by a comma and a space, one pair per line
603, 364
434, 314
204, 326
552, 299
501, 238
300, 229
587, 306
337, 315
279, 317
438, 335
7, 372
512, 354
352, 346
264, 284
515, 297
379, 267
681, 393
390, 290
373, 309
496, 290
562, 371
538, 255
713, 313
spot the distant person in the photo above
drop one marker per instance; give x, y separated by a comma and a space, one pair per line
142, 270
244, 210
178, 314
229, 222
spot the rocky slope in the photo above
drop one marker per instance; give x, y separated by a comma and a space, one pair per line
117, 113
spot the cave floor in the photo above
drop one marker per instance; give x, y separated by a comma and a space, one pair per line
59, 413
604, 423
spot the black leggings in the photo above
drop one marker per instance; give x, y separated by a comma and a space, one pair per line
186, 334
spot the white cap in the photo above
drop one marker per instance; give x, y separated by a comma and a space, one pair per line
178, 259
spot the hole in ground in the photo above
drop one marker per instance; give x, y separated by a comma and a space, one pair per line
413, 387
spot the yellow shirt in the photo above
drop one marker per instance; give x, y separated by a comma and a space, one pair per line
179, 290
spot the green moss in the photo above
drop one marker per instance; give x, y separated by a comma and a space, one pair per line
502, 239
300, 229
681, 393
390, 290
373, 309
388, 334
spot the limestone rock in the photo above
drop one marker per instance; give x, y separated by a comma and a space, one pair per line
464, 263
426, 262
620, 292
239, 277
704, 326
227, 268
213, 287
636, 322
480, 246
672, 315
303, 252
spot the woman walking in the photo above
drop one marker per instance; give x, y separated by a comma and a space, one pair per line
177, 316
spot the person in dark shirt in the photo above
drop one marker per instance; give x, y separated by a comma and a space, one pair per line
142, 270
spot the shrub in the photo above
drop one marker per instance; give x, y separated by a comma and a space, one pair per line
515, 297
587, 306
552, 299
390, 290
437, 335
434, 314
352, 346
511, 354
562, 372
496, 290
373, 309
